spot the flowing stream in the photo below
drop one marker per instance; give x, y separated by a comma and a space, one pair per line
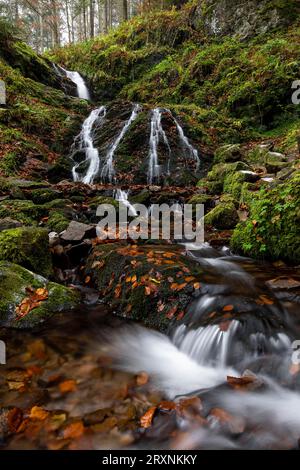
84, 143
82, 89
108, 171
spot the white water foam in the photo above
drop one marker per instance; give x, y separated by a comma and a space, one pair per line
108, 171
84, 142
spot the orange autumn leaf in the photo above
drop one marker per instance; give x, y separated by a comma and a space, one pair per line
38, 413
128, 279
167, 405
147, 418
189, 279
118, 290
74, 430
87, 279
134, 278
67, 386
147, 290
196, 285
228, 308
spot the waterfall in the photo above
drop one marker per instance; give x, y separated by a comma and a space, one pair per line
193, 153
108, 168
75, 77
122, 196
156, 134
85, 143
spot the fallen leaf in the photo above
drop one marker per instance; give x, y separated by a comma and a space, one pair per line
67, 386
196, 285
147, 290
87, 279
38, 413
74, 430
147, 418
228, 308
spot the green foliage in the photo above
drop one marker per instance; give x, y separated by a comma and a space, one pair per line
272, 230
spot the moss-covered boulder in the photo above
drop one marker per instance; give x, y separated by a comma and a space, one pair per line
223, 216
228, 153
27, 299
57, 221
24, 211
149, 283
273, 227
27, 246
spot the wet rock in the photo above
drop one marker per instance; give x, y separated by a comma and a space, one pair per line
28, 247
9, 223
223, 216
228, 153
53, 239
275, 162
153, 283
76, 232
28, 300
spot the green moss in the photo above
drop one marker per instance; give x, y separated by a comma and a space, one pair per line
14, 284
228, 153
233, 184
57, 221
23, 211
221, 170
42, 195
223, 216
27, 246
272, 230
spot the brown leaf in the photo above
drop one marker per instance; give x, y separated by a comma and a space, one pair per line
118, 291
147, 418
167, 405
196, 285
172, 312
147, 290
38, 413
67, 386
74, 430
87, 279
228, 308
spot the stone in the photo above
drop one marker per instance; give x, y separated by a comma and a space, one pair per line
28, 247
18, 284
77, 231
8, 223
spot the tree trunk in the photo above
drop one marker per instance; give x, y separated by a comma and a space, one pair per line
92, 18
125, 10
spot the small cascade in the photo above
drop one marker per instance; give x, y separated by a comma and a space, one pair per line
156, 135
82, 89
108, 167
122, 196
193, 153
84, 142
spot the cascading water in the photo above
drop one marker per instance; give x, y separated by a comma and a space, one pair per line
198, 355
84, 143
82, 89
108, 171
122, 196
156, 134
193, 153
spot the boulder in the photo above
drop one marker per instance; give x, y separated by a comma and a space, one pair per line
28, 300
8, 223
28, 247
224, 216
77, 231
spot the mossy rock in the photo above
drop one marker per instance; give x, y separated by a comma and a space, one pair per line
27, 246
43, 195
275, 162
273, 227
204, 199
24, 211
57, 222
98, 200
233, 184
17, 284
141, 282
224, 216
211, 187
228, 153
221, 170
